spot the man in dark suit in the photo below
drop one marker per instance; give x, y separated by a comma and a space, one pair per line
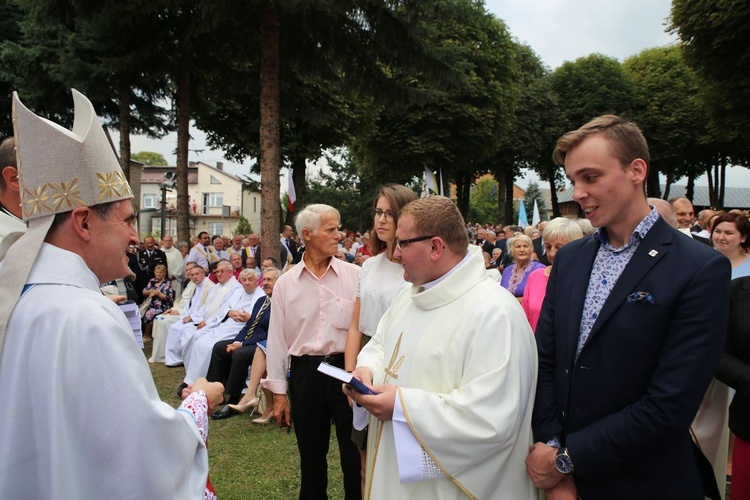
293, 255
148, 259
230, 359
628, 342
252, 250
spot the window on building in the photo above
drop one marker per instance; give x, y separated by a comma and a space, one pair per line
150, 201
216, 228
214, 180
215, 199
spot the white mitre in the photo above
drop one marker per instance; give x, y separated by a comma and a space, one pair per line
58, 170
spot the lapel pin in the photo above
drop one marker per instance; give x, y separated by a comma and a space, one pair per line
653, 253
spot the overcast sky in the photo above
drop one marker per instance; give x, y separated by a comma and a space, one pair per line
556, 30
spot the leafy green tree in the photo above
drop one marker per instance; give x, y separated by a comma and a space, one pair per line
532, 129
589, 87
104, 49
244, 226
716, 42
484, 207
456, 125
345, 189
670, 112
149, 158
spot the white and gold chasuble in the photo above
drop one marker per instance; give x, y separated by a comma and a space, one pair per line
464, 358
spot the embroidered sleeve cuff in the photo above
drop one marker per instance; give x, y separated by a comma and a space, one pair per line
196, 404
414, 464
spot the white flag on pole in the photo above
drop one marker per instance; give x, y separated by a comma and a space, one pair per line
535, 219
430, 185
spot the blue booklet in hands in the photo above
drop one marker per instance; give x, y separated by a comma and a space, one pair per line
346, 378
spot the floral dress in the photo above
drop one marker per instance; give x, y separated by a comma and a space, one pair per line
158, 305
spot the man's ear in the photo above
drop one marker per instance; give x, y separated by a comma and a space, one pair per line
639, 170
10, 176
81, 219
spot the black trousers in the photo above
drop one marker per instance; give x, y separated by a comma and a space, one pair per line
316, 401
230, 368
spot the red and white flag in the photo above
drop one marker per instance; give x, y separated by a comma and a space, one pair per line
291, 193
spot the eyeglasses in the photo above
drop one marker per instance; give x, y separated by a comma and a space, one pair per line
377, 213
401, 244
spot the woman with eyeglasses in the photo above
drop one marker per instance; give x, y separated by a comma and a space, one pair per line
381, 277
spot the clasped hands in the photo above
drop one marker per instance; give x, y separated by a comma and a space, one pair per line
214, 391
540, 466
241, 316
381, 405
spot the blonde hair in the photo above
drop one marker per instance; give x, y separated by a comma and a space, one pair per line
625, 139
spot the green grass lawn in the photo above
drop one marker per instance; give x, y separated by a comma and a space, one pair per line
249, 461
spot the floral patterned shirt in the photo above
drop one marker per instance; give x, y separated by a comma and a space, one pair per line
608, 266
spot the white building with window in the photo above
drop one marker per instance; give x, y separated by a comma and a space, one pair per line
216, 201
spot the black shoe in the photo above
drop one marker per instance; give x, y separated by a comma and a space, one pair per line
180, 388
225, 412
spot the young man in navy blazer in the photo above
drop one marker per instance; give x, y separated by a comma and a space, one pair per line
628, 342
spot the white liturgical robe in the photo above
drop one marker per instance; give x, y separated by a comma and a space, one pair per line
464, 360
80, 415
181, 334
200, 354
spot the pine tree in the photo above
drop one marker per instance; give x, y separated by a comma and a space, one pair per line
534, 193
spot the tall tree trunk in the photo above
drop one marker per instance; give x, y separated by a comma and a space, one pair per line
125, 134
462, 199
183, 141
711, 193
690, 190
501, 196
270, 147
722, 181
668, 185
652, 182
553, 192
508, 181
299, 171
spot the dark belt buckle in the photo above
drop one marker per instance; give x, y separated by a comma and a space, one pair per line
329, 358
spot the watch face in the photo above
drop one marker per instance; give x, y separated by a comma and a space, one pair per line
563, 464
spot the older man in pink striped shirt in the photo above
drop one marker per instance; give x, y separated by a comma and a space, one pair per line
310, 313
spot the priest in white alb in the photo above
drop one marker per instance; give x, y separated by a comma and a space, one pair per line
234, 314
193, 298
454, 362
181, 334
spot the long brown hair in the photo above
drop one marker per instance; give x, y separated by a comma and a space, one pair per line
398, 196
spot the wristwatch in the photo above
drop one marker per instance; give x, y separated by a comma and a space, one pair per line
563, 462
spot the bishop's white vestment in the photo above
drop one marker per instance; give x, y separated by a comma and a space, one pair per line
464, 359
80, 416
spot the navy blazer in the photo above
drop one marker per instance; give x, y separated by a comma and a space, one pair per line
625, 407
261, 329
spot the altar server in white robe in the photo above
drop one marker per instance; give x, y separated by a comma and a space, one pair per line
193, 298
236, 312
80, 415
454, 362
175, 263
180, 335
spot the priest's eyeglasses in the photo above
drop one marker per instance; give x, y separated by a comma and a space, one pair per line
377, 213
401, 244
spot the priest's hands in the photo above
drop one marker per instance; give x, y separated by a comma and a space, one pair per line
381, 405
282, 412
540, 466
214, 391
